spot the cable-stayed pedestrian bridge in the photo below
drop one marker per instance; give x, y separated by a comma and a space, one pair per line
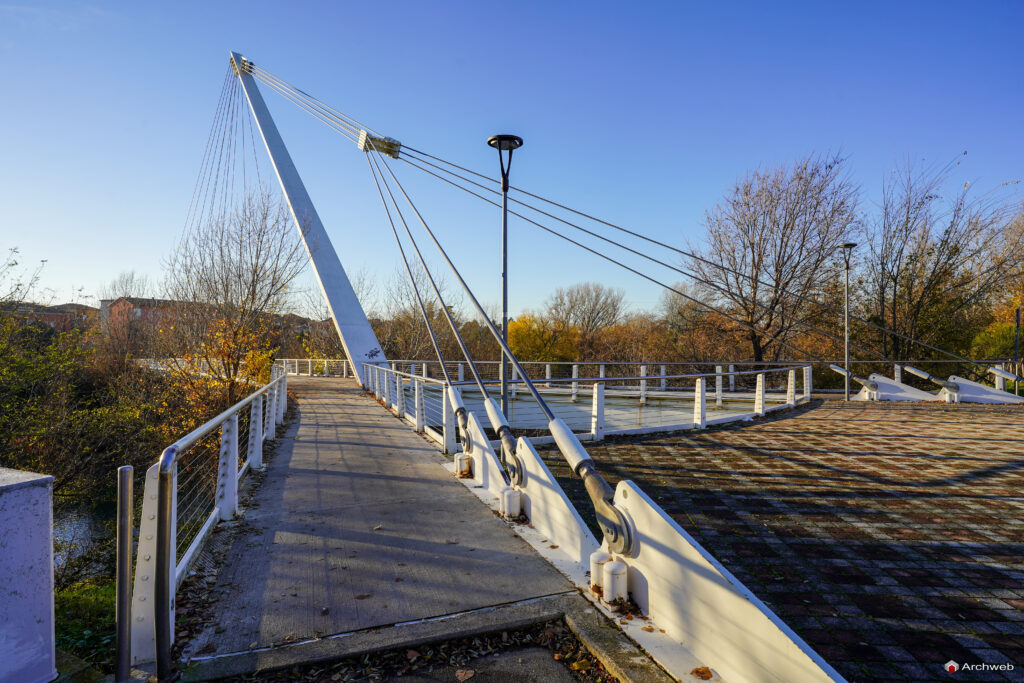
357, 527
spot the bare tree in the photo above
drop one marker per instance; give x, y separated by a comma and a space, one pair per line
773, 237
402, 332
587, 308
934, 262
17, 285
127, 283
229, 278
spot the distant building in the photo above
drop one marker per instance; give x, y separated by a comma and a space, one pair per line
61, 318
129, 312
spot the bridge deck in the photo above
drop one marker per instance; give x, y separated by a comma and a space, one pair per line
357, 525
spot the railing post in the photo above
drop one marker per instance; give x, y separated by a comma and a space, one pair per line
759, 395
791, 388
400, 395
575, 385
547, 373
255, 449
462, 372
718, 386
600, 371
807, 382
282, 403
387, 387
426, 369
166, 566
227, 471
269, 428
122, 590
664, 382
699, 405
448, 423
309, 367
597, 413
643, 385
732, 378
897, 373
512, 387
421, 421
143, 621
1001, 381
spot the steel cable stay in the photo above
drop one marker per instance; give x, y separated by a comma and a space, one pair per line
611, 521
498, 421
408, 272
795, 321
197, 207
688, 254
313, 111
218, 176
194, 201
647, 277
312, 105
229, 169
355, 124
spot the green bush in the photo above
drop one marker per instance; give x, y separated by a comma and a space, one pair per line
85, 622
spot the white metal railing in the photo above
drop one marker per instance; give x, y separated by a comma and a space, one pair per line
187, 491
638, 404
315, 367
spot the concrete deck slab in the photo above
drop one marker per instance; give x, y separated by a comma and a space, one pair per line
358, 526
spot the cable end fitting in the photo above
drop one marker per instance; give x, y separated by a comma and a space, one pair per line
389, 146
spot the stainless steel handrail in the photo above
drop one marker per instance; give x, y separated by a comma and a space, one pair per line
165, 553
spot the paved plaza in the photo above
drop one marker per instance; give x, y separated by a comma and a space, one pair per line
890, 537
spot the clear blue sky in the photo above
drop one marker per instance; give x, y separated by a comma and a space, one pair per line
643, 113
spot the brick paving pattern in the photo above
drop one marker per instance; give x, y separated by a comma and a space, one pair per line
890, 537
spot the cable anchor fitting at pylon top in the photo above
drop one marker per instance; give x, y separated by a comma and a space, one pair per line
246, 66
389, 146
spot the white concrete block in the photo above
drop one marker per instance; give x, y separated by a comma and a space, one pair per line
27, 651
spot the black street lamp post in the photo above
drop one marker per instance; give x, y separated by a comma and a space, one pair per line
504, 143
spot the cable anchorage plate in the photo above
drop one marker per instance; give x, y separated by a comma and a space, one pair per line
389, 146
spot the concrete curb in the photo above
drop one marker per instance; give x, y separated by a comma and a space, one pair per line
620, 656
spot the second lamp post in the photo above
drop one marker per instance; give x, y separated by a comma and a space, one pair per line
504, 143
847, 250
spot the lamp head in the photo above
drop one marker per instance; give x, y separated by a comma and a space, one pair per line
505, 142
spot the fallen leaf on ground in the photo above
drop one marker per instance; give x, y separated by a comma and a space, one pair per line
452, 541
363, 596
649, 629
378, 527
464, 674
412, 654
702, 672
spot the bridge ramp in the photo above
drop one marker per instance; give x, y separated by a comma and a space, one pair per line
357, 526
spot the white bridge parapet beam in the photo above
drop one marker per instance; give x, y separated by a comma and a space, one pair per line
975, 392
357, 337
690, 594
